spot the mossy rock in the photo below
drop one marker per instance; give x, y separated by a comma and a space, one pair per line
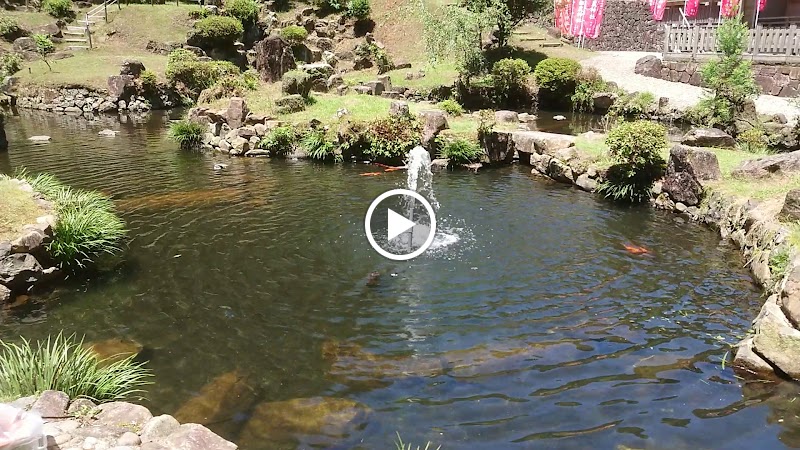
290, 103
296, 82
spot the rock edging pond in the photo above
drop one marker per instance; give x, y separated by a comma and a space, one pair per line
24, 262
772, 348
82, 424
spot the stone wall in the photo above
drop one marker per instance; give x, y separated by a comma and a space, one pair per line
628, 25
783, 81
24, 262
81, 100
81, 424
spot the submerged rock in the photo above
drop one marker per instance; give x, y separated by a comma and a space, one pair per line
107, 133
218, 400
115, 349
39, 138
277, 421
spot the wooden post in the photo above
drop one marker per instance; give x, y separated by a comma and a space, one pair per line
105, 11
696, 43
88, 33
665, 50
756, 42
791, 39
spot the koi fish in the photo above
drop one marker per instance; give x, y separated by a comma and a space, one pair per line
385, 166
370, 174
635, 249
392, 169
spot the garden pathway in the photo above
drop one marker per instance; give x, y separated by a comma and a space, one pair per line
618, 67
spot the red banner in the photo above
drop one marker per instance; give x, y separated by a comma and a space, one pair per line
563, 15
730, 8
691, 6
762, 4
658, 9
577, 24
593, 19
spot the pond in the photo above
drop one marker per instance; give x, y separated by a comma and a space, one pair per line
531, 327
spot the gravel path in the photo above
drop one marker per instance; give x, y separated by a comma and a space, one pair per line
618, 67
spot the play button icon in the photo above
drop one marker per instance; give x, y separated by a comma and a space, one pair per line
406, 229
397, 224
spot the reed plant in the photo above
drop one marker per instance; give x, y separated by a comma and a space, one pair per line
400, 445
186, 133
63, 363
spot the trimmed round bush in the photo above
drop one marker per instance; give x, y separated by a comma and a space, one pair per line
244, 10
508, 75
358, 9
216, 31
294, 34
636, 149
451, 107
58, 8
149, 79
557, 75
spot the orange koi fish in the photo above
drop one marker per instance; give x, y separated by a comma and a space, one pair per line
635, 249
392, 169
370, 174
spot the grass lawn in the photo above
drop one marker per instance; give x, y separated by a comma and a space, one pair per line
436, 75
87, 68
17, 209
135, 25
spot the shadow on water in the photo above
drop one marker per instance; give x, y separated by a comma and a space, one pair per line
250, 289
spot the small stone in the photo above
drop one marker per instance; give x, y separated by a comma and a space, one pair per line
129, 439
107, 133
39, 138
5, 294
115, 414
680, 207
559, 117
586, 183
159, 427
81, 406
398, 108
51, 404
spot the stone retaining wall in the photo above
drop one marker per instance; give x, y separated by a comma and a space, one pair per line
783, 81
86, 101
82, 424
24, 262
628, 25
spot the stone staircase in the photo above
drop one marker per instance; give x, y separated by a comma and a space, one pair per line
78, 38
526, 37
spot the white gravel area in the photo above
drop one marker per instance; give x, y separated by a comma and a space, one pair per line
618, 67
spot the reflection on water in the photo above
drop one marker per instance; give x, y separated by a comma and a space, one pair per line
259, 302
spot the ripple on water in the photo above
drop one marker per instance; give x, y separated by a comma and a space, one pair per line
528, 325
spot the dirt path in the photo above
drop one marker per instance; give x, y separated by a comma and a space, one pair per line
618, 67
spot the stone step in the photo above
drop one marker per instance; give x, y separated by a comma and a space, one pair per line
78, 47
529, 39
71, 29
75, 40
551, 44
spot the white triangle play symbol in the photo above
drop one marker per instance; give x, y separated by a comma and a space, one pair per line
397, 224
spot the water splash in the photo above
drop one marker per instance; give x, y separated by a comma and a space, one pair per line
420, 176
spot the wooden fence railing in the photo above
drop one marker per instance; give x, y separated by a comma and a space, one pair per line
765, 44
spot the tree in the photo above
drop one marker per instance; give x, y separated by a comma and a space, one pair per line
44, 47
456, 32
504, 14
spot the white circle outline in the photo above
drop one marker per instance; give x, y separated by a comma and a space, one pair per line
368, 227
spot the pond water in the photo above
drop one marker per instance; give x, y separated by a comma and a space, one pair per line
531, 327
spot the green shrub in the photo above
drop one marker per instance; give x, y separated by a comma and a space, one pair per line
358, 9
250, 80
451, 107
392, 137
64, 364
379, 56
588, 83
730, 78
44, 47
149, 80
279, 142
636, 150
753, 140
58, 8
557, 75
9, 28
461, 151
187, 133
200, 13
294, 34
10, 63
216, 31
637, 104
244, 10
328, 5
185, 67
508, 76
317, 145
180, 55
87, 226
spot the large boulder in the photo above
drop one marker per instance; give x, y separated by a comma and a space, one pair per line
19, 271
290, 103
708, 137
319, 74
777, 341
508, 117
218, 400
50, 30
782, 164
121, 86
191, 436
791, 207
434, 122
499, 147
24, 44
274, 57
132, 67
603, 101
700, 163
649, 66
296, 82
237, 111
682, 187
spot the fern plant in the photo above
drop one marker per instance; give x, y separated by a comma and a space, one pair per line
317, 145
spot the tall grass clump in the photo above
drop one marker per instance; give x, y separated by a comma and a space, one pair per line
64, 364
400, 445
86, 227
317, 145
187, 133
279, 141
636, 150
461, 151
